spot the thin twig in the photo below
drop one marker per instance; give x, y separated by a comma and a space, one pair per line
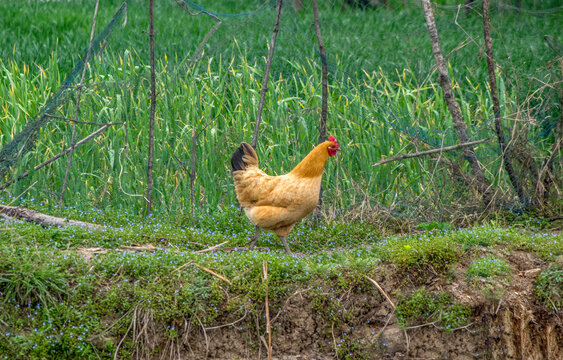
268, 326
126, 332
204, 335
498, 307
386, 323
334, 341
322, 51
210, 248
182, 266
212, 272
229, 324
20, 195
151, 114
77, 107
199, 51
324, 98
381, 290
59, 155
184, 6
433, 323
429, 152
192, 173
267, 74
506, 156
298, 292
82, 122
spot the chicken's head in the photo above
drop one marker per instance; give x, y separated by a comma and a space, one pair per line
333, 149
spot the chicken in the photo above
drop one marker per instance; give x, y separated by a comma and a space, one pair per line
276, 203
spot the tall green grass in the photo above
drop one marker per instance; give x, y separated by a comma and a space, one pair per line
380, 98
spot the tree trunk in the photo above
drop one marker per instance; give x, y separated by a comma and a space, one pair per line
482, 184
506, 157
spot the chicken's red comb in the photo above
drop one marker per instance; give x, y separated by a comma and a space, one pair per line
331, 138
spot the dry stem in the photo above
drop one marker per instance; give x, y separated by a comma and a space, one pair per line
381, 290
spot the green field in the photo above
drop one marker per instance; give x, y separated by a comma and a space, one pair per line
381, 97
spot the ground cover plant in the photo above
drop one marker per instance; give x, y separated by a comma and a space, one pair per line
70, 292
550, 287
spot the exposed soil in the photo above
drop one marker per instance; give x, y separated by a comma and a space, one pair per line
511, 325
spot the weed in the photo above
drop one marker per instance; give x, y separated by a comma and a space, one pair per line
487, 267
439, 309
351, 349
434, 225
29, 279
427, 252
549, 288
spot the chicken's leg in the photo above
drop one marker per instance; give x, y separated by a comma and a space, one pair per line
255, 237
282, 238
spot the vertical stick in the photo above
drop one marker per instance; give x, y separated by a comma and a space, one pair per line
506, 157
324, 104
77, 108
152, 112
453, 107
267, 74
543, 187
192, 171
268, 326
265, 87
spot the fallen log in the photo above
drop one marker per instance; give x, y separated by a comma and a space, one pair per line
21, 213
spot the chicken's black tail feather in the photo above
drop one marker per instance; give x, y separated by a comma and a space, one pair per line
244, 157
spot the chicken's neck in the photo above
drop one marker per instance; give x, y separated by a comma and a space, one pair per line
314, 163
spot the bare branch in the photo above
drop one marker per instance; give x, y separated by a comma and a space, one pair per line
267, 74
429, 152
453, 107
59, 155
268, 326
77, 107
506, 157
81, 122
152, 112
199, 50
324, 104
210, 248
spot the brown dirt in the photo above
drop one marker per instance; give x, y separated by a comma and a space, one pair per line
511, 326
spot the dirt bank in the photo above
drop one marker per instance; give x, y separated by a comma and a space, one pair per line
506, 323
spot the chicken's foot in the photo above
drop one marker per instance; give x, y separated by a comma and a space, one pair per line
255, 237
282, 238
